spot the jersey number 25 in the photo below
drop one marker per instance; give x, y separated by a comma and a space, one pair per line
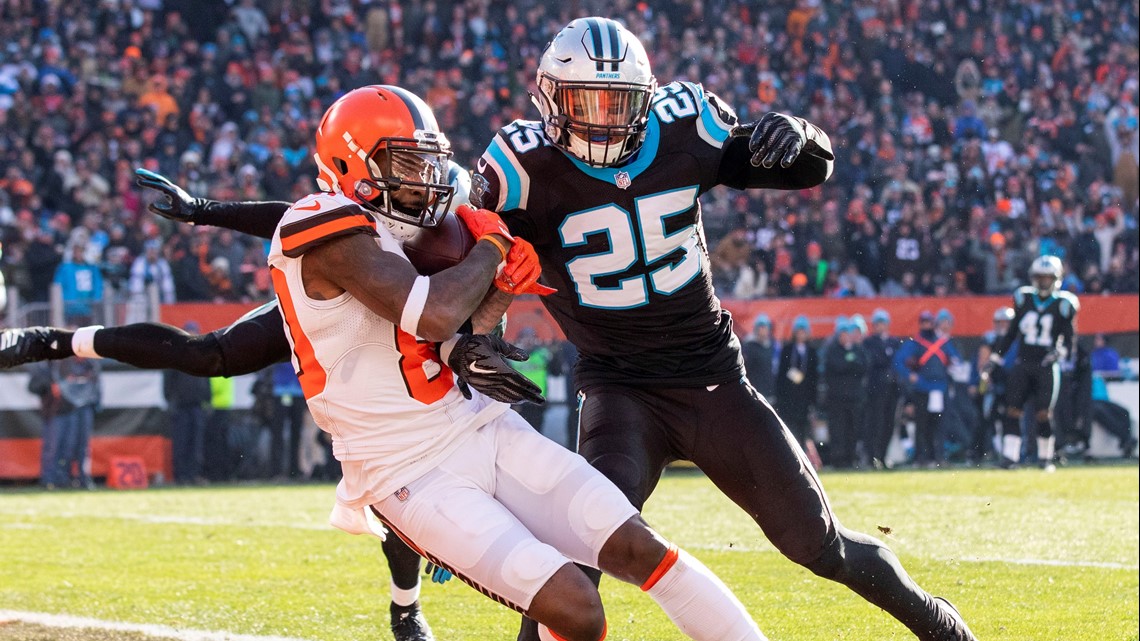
630, 242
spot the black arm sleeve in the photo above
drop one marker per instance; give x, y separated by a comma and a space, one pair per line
254, 218
253, 342
809, 170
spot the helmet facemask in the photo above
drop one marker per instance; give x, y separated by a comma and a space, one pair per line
407, 184
601, 123
1045, 274
1045, 284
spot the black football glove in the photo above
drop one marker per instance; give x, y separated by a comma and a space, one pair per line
778, 136
177, 205
480, 361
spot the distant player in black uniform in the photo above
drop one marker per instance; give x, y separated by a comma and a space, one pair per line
605, 186
255, 341
1044, 319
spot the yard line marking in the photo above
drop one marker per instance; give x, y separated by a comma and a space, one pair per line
68, 621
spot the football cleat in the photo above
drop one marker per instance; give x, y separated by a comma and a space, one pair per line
961, 631
33, 344
409, 624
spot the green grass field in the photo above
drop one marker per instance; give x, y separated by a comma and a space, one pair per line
1024, 555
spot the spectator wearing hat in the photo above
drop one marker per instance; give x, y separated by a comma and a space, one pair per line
797, 385
882, 387
922, 366
81, 284
149, 269
844, 374
761, 355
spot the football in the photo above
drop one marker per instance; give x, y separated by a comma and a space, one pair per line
436, 248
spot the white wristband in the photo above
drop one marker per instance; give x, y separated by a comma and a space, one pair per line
414, 306
448, 345
83, 341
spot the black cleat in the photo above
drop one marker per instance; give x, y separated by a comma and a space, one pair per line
409, 624
1127, 447
1007, 464
33, 344
960, 631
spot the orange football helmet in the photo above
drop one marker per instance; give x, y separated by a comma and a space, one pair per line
381, 146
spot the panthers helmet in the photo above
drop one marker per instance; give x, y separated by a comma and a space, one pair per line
1046, 273
381, 146
1003, 314
594, 90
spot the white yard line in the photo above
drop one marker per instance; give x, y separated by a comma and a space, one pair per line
67, 621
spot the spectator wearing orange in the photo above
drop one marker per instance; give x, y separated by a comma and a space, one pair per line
158, 99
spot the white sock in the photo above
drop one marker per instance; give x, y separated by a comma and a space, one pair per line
1045, 448
404, 598
697, 602
83, 341
1011, 447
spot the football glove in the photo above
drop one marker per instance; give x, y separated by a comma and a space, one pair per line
781, 137
437, 574
483, 222
1053, 356
520, 275
177, 205
480, 361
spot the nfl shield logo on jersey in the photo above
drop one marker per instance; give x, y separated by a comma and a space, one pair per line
622, 179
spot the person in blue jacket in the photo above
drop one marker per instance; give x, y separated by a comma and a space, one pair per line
922, 366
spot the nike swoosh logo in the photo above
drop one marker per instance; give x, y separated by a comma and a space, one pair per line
481, 166
479, 369
310, 207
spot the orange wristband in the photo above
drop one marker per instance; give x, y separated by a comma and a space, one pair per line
496, 242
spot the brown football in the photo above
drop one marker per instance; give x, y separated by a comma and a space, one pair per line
435, 249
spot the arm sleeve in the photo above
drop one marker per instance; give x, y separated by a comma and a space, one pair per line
809, 170
254, 218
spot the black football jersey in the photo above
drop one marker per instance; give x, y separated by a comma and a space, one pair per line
624, 246
1042, 324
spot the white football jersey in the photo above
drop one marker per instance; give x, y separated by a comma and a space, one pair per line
384, 395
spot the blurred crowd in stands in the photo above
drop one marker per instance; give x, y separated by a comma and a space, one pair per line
970, 136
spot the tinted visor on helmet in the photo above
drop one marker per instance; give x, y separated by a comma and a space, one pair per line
609, 117
410, 181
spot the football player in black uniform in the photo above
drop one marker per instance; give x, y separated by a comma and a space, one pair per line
605, 186
1044, 319
257, 340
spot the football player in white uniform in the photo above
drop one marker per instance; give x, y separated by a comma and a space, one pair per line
257, 340
466, 482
